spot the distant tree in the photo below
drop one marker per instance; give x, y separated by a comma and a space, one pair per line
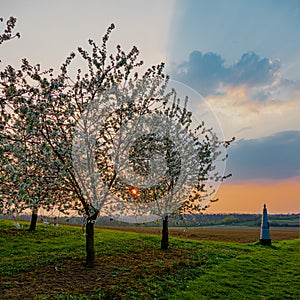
230, 220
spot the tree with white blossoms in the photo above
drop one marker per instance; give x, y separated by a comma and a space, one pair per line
39, 114
28, 172
209, 152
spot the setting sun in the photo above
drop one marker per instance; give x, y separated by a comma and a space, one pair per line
135, 191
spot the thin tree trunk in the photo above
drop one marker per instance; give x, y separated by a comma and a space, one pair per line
165, 234
33, 221
89, 238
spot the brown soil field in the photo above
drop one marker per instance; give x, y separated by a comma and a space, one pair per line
73, 277
224, 234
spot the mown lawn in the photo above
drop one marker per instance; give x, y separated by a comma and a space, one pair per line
49, 264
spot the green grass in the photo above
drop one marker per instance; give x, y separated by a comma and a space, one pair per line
189, 270
283, 221
262, 273
21, 250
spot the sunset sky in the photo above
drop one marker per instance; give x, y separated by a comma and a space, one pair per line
242, 56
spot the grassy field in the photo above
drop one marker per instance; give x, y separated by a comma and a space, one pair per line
49, 264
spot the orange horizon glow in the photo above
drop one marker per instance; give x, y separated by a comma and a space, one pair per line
280, 197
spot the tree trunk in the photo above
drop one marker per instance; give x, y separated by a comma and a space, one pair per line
165, 234
33, 221
89, 238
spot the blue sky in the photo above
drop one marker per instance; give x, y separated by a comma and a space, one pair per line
233, 27
243, 56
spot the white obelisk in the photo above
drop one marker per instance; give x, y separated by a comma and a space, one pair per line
265, 238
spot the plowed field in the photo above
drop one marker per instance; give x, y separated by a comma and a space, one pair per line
224, 234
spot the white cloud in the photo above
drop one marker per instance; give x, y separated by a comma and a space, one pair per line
242, 117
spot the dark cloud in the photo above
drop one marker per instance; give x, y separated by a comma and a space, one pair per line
205, 72
273, 157
252, 71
